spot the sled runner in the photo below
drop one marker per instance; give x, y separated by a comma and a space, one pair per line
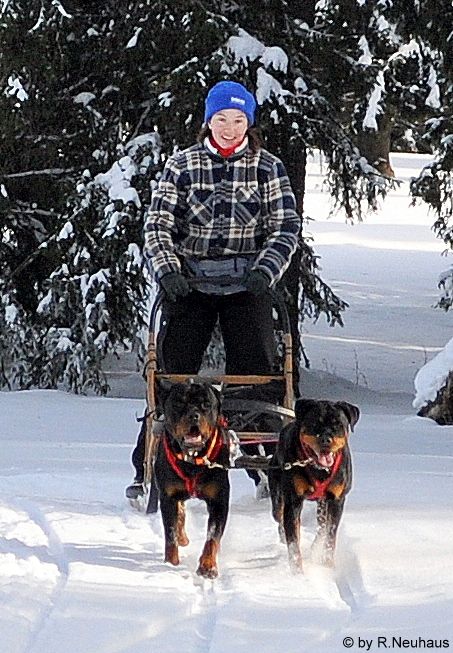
256, 407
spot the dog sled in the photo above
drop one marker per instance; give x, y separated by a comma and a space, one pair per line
256, 406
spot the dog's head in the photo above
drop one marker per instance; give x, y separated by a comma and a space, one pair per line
323, 427
191, 412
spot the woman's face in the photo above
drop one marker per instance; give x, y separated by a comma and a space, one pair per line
228, 127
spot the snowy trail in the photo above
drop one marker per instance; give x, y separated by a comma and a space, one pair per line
31, 549
56, 553
123, 561
81, 572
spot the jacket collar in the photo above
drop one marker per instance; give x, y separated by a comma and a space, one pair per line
240, 151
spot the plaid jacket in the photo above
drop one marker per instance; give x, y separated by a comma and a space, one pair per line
207, 207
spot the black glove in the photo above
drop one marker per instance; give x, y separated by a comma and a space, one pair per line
174, 285
257, 282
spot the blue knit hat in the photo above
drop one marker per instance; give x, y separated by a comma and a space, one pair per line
230, 95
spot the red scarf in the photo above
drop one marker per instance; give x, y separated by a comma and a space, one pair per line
224, 151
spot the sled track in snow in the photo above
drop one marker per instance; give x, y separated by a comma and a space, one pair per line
205, 609
346, 593
349, 581
57, 555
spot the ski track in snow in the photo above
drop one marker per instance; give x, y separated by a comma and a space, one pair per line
56, 551
217, 602
57, 556
116, 558
254, 580
206, 612
81, 572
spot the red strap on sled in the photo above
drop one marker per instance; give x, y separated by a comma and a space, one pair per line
320, 487
190, 482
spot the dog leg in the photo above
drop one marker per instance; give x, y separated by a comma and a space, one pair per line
292, 508
319, 543
277, 502
207, 566
262, 489
183, 540
169, 510
277, 513
329, 512
218, 513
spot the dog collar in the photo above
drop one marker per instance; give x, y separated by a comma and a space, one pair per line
174, 459
202, 460
222, 423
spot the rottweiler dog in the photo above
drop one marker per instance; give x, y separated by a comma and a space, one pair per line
192, 461
312, 461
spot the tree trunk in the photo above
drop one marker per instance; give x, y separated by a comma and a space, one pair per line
296, 168
293, 156
441, 409
375, 145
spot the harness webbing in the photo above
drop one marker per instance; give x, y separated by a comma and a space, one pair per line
320, 487
174, 459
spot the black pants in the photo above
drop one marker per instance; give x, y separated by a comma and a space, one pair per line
245, 322
247, 329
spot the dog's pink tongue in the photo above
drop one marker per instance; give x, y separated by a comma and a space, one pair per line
193, 439
326, 460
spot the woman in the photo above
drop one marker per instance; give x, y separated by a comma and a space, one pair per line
223, 207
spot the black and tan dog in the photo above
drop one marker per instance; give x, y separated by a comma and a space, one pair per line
313, 461
192, 461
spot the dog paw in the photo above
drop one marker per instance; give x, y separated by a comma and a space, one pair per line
295, 559
183, 540
321, 554
296, 566
207, 572
327, 561
171, 555
262, 490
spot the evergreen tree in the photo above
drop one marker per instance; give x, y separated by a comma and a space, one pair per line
387, 70
88, 92
435, 182
96, 98
70, 257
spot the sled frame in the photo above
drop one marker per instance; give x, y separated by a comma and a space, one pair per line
251, 407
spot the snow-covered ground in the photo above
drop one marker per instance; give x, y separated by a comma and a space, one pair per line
387, 269
80, 572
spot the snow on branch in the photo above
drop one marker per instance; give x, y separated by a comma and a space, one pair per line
266, 86
38, 22
47, 171
366, 57
5, 4
373, 108
61, 9
84, 98
133, 40
245, 47
118, 180
433, 99
446, 286
16, 89
432, 377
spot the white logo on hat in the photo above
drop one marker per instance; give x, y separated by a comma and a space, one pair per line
239, 100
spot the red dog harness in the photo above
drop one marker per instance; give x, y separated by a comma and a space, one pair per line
190, 482
320, 487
